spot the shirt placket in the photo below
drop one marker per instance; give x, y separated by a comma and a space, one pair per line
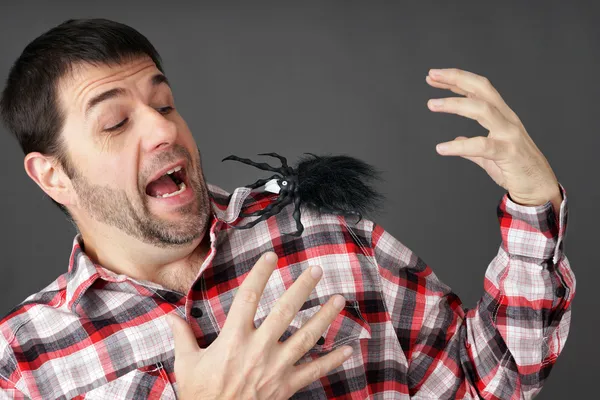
198, 310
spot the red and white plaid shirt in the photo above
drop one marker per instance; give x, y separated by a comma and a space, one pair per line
94, 334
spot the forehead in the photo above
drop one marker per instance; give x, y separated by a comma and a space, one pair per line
84, 80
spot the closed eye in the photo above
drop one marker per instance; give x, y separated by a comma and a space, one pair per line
165, 110
117, 126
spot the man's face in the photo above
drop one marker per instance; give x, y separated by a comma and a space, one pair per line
122, 135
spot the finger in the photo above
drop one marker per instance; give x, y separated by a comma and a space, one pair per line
305, 374
289, 304
479, 146
440, 85
185, 340
476, 160
478, 85
243, 309
481, 111
303, 340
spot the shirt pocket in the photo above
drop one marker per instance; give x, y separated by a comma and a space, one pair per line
148, 382
349, 327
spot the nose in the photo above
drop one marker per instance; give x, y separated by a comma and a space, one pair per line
157, 130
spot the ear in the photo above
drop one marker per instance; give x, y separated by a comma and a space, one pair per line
50, 177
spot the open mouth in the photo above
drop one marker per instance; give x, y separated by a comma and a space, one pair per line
170, 184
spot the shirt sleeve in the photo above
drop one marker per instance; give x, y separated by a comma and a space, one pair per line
506, 346
9, 373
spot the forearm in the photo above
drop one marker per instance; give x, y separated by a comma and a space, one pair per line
507, 343
522, 321
519, 325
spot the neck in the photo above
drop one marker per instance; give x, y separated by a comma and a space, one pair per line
173, 267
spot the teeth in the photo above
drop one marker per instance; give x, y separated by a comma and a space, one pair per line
181, 189
173, 170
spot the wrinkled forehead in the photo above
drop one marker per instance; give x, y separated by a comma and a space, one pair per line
84, 80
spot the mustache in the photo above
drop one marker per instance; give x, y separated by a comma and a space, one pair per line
161, 159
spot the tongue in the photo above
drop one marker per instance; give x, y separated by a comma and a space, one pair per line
162, 185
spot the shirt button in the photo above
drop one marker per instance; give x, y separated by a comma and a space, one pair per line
171, 297
196, 312
560, 291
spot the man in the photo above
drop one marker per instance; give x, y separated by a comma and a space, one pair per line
343, 311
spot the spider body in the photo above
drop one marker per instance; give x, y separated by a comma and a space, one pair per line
330, 184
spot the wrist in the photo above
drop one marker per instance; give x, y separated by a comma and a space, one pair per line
552, 195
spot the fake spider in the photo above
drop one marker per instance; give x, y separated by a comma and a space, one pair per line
338, 185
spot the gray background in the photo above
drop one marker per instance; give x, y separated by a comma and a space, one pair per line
349, 77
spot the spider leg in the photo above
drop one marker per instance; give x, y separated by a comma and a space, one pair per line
311, 154
261, 182
286, 200
283, 160
296, 215
343, 213
264, 210
263, 166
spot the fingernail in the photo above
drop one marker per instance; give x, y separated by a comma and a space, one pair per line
436, 103
270, 257
348, 351
339, 302
316, 272
441, 147
435, 72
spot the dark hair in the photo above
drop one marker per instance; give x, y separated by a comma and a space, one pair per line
29, 105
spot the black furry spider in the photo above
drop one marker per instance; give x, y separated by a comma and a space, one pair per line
329, 184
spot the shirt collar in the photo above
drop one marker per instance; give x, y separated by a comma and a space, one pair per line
226, 207
83, 272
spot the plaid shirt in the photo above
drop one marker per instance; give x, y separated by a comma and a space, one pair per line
94, 334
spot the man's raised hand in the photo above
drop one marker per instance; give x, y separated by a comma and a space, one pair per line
507, 153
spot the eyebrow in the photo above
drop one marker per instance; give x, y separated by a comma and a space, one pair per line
160, 78
116, 92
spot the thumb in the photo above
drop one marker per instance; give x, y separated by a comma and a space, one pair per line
185, 341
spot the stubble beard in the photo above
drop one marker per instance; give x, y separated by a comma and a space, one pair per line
111, 206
